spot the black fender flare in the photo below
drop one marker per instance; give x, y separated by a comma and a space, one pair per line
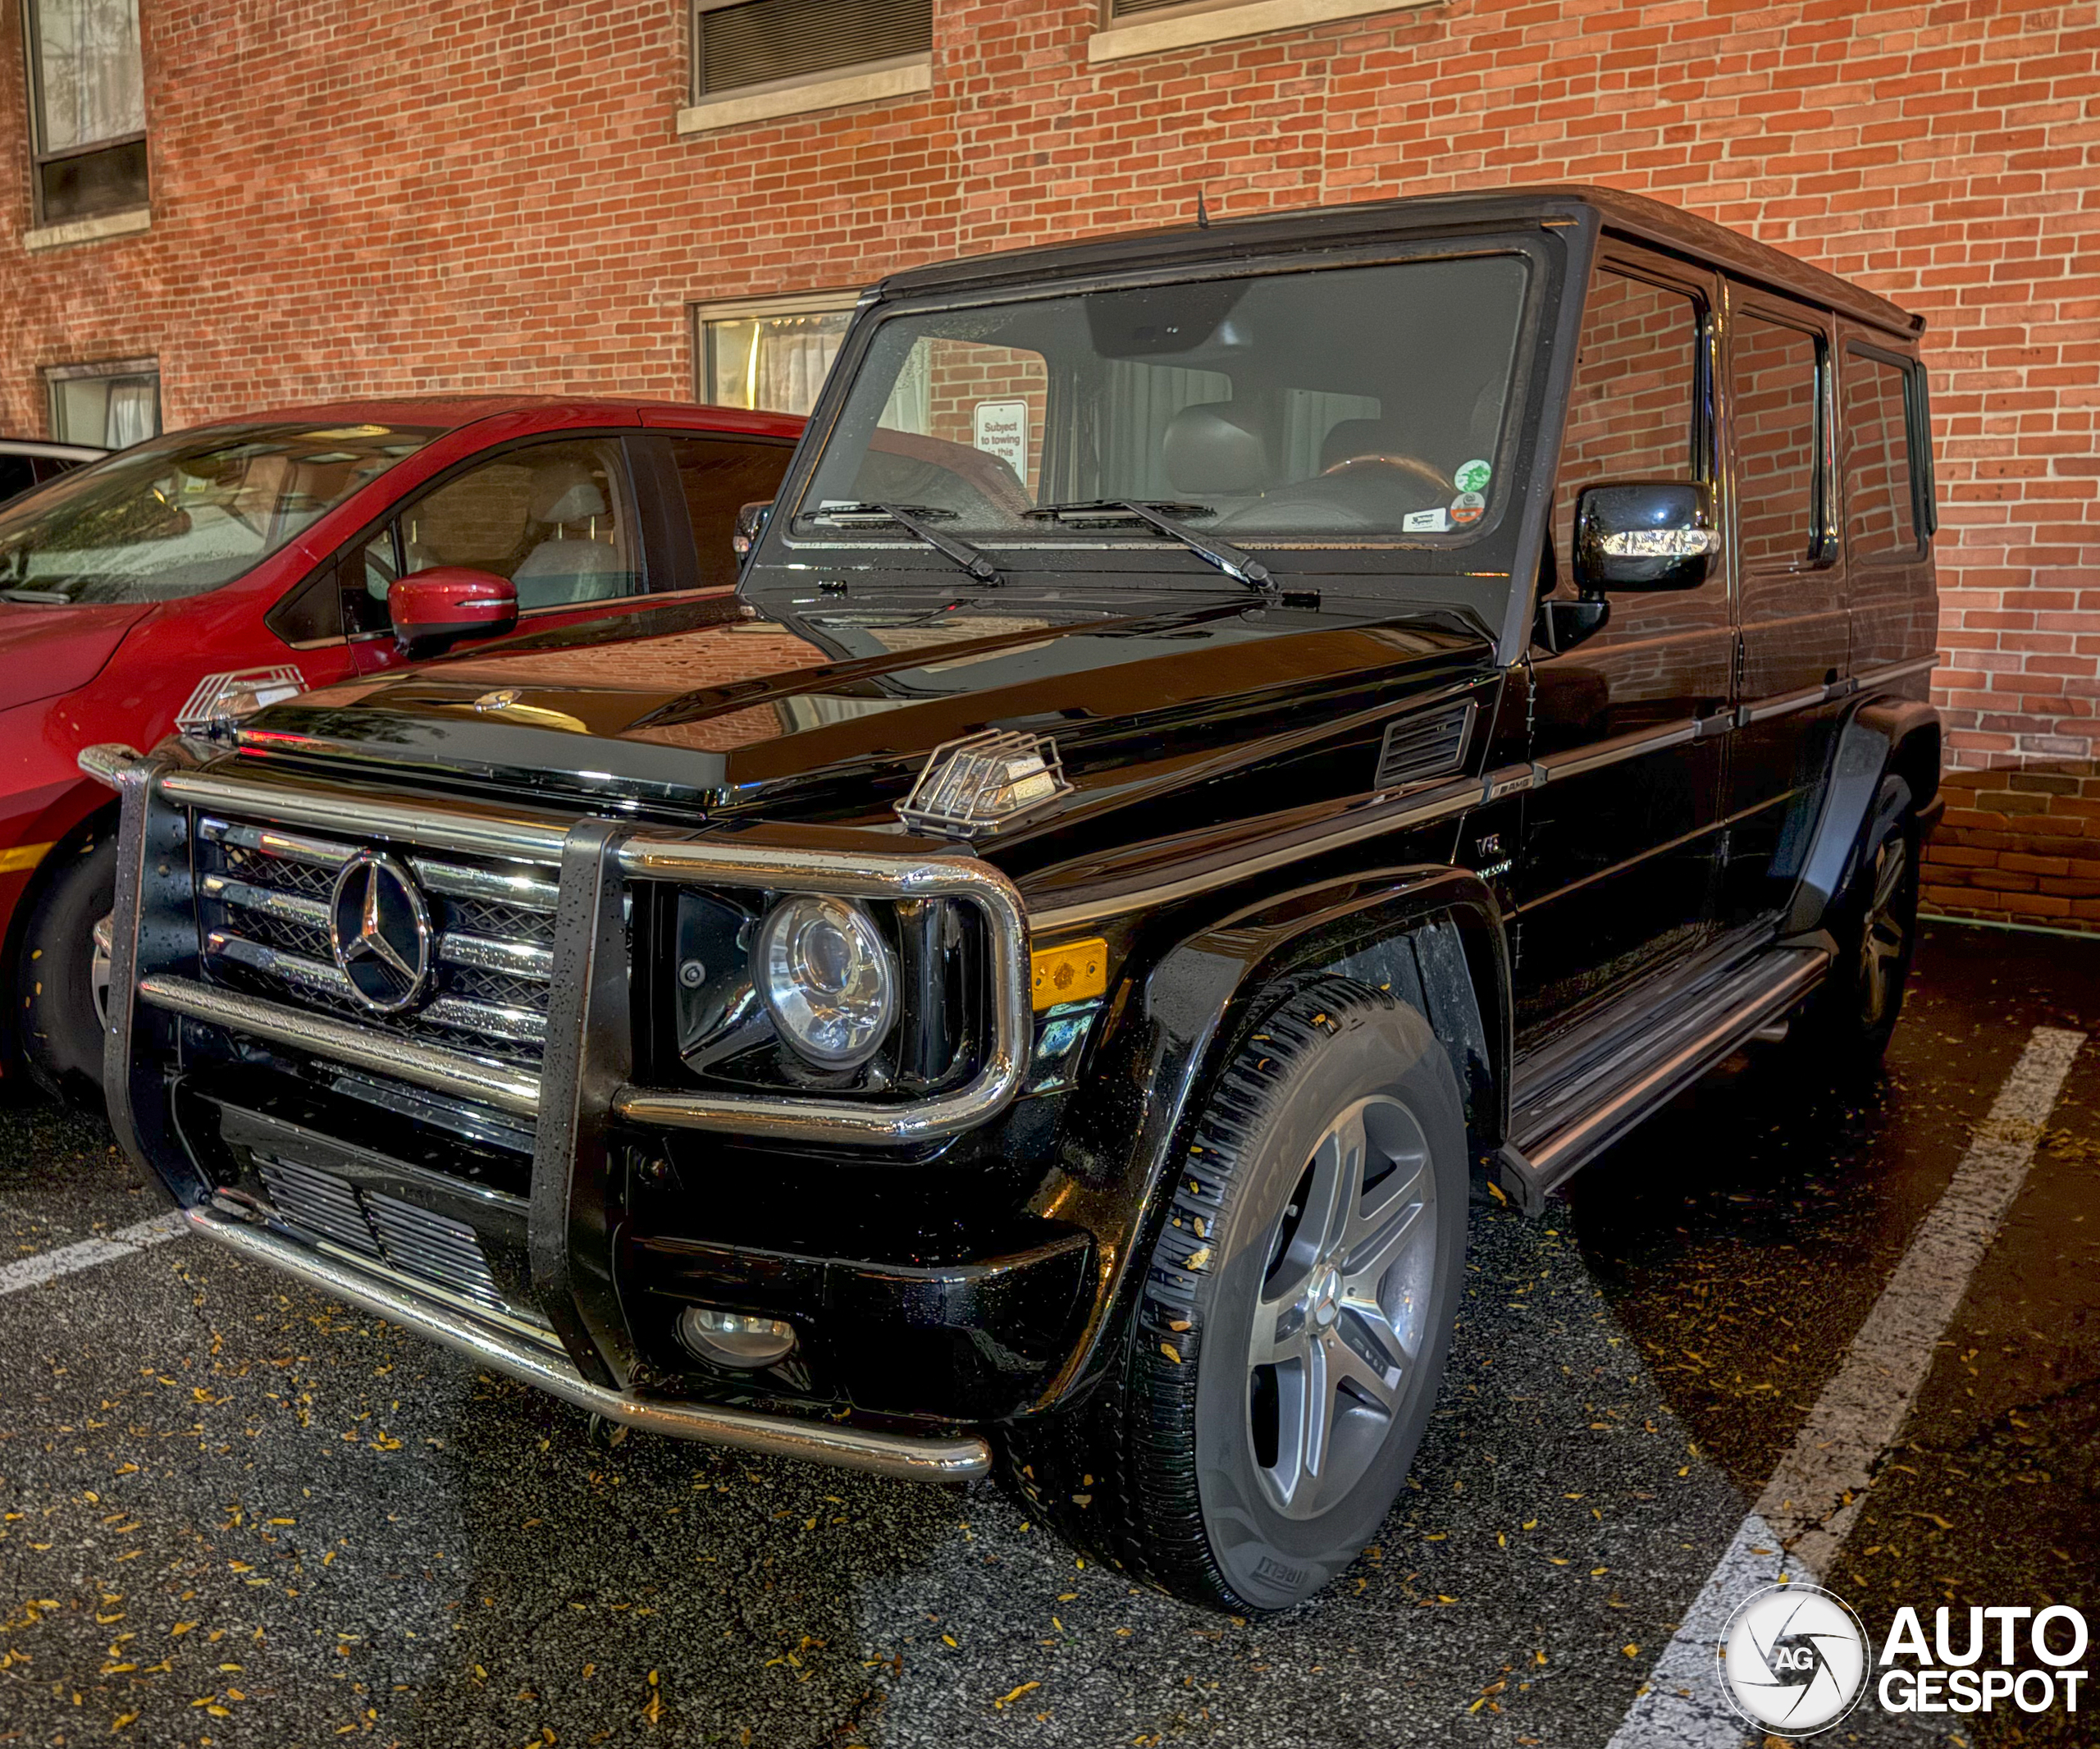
1432, 934
1888, 737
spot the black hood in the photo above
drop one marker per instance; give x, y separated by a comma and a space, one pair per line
827, 716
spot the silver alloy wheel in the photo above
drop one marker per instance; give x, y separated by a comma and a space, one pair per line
1884, 933
105, 946
1343, 1307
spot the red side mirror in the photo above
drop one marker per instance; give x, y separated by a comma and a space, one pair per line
433, 610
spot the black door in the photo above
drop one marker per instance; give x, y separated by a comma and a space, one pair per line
1622, 844
1777, 418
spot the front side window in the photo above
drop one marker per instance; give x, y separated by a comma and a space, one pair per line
111, 406
185, 514
1881, 501
1339, 402
556, 519
717, 477
87, 107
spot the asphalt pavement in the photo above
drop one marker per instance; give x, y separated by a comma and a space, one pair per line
232, 1514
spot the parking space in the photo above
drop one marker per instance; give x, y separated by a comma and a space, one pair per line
236, 1514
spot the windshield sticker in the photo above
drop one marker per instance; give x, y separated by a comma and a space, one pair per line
1473, 477
1468, 508
1002, 429
1424, 521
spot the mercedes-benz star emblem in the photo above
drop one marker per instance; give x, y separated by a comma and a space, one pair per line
379, 930
502, 700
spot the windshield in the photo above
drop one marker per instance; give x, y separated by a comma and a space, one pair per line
183, 515
1342, 402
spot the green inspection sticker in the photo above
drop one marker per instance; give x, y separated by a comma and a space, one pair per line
1473, 477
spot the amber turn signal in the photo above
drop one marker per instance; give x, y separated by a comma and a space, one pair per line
1071, 973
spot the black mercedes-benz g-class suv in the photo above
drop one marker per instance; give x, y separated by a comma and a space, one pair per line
1228, 743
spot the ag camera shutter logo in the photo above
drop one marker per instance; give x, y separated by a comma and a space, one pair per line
1794, 1659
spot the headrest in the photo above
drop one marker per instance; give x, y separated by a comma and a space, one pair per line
1215, 447
1350, 437
567, 493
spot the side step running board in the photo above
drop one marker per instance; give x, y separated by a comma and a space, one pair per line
1567, 1128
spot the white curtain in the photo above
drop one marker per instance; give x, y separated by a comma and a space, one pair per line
88, 70
131, 418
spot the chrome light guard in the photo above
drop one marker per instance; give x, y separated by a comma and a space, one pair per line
852, 874
540, 839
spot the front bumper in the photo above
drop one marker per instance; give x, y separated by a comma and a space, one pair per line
961, 1458
618, 1205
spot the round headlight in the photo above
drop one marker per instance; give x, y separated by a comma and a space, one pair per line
827, 979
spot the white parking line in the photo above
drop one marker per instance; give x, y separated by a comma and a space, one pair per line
1815, 1495
127, 1241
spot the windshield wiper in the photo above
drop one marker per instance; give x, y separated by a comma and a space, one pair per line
911, 518
1242, 568
54, 597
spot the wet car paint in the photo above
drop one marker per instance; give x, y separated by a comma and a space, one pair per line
461, 1566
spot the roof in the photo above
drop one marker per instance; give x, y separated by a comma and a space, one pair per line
1652, 222
451, 411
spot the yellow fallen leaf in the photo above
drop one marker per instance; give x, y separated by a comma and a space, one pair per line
1197, 1258
1171, 1352
1009, 1700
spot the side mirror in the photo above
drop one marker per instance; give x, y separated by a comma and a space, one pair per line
1652, 535
750, 523
433, 610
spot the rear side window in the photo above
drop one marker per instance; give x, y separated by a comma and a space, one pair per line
716, 475
1774, 378
1881, 471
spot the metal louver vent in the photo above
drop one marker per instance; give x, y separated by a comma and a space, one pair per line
1432, 745
756, 42
414, 1240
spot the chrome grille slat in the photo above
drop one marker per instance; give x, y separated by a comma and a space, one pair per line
320, 1201
526, 891
293, 907
520, 959
420, 1243
454, 1013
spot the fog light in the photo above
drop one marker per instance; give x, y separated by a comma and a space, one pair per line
730, 1339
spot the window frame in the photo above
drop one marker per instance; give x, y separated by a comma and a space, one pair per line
39, 157
698, 316
698, 97
1827, 545
1917, 435
57, 375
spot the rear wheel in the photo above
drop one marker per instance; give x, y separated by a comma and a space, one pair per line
1297, 1314
1848, 1024
58, 1021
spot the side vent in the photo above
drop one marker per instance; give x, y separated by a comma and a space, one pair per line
1432, 745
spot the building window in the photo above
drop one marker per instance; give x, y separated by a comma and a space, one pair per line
113, 405
87, 107
772, 357
740, 44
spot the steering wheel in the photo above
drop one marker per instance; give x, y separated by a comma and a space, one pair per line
1428, 474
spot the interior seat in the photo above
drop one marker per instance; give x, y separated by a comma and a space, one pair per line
579, 561
1216, 448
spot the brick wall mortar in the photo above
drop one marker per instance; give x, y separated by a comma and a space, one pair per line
433, 196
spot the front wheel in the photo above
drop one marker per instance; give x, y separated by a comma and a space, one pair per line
58, 1020
1283, 1362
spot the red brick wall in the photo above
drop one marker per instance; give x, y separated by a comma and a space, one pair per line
434, 194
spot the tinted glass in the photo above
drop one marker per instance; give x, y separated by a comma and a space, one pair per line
556, 519
1345, 402
716, 475
1880, 514
1772, 373
17, 475
184, 514
1635, 411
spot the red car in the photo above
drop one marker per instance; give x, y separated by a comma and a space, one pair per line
206, 572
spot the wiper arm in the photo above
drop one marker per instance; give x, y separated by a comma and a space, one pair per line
910, 518
1242, 568
53, 596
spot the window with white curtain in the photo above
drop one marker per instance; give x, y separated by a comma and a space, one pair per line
87, 107
773, 356
113, 406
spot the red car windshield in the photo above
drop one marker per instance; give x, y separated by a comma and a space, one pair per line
183, 515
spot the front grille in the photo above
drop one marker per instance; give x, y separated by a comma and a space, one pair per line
1430, 745
262, 915
414, 1241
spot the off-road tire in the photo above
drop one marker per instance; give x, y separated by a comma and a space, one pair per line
1157, 1471
1847, 1025
58, 1034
